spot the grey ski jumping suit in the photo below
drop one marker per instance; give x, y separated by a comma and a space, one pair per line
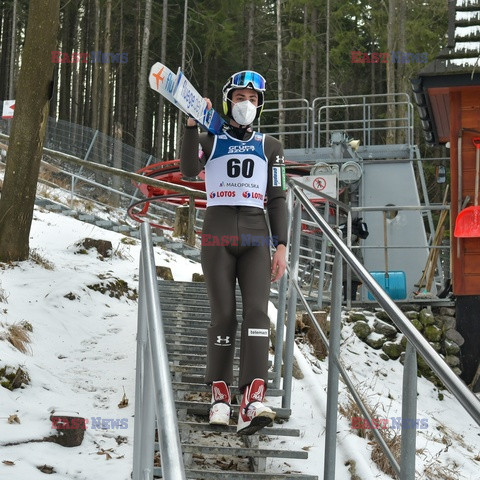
236, 243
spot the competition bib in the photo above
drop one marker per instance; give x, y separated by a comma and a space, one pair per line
236, 172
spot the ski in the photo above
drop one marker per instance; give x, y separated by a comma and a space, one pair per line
181, 93
163, 80
192, 102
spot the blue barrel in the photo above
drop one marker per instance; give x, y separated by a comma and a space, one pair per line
395, 284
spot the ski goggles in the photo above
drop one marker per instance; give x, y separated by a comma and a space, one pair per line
246, 79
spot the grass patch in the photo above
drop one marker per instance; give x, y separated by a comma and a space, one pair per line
36, 258
391, 437
18, 335
3, 295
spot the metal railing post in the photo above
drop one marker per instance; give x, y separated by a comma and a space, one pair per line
89, 150
465, 397
292, 306
280, 332
323, 254
409, 414
191, 222
167, 424
333, 370
282, 302
144, 427
137, 189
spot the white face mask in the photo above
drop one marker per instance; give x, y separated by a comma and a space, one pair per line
244, 113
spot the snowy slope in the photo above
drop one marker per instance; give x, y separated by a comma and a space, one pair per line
82, 361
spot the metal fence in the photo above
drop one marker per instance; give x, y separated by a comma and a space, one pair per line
365, 117
154, 399
405, 469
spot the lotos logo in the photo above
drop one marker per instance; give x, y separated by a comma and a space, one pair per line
254, 195
223, 194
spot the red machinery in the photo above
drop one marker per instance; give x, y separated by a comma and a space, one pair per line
169, 171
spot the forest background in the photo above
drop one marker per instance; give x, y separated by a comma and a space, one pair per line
304, 48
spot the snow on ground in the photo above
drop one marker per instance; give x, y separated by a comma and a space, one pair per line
82, 361
82, 357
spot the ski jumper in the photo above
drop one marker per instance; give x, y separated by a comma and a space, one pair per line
240, 175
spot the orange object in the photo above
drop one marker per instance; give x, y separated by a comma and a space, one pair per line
468, 220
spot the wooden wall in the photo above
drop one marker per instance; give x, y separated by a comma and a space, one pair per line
464, 114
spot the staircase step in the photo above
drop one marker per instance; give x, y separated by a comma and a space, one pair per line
197, 306
188, 339
196, 348
193, 359
171, 329
203, 408
185, 309
194, 374
203, 388
241, 452
233, 475
206, 427
244, 452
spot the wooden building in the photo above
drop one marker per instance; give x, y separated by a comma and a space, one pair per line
447, 94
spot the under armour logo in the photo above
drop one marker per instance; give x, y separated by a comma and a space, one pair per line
222, 340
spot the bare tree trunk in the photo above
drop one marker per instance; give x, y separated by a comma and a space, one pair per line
304, 71
314, 54
13, 46
281, 113
391, 46
66, 67
142, 86
117, 160
105, 124
96, 70
250, 11
180, 125
76, 71
400, 80
28, 130
84, 93
4, 47
119, 83
327, 72
161, 103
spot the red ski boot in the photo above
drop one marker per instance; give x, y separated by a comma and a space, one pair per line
253, 414
220, 410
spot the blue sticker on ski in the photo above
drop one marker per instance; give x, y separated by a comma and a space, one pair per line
179, 91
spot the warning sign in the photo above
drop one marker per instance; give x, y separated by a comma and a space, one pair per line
322, 183
8, 108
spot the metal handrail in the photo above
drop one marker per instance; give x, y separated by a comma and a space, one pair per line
416, 343
153, 386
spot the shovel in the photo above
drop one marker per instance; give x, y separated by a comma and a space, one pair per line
468, 220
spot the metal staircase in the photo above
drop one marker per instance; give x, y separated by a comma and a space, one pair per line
212, 451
